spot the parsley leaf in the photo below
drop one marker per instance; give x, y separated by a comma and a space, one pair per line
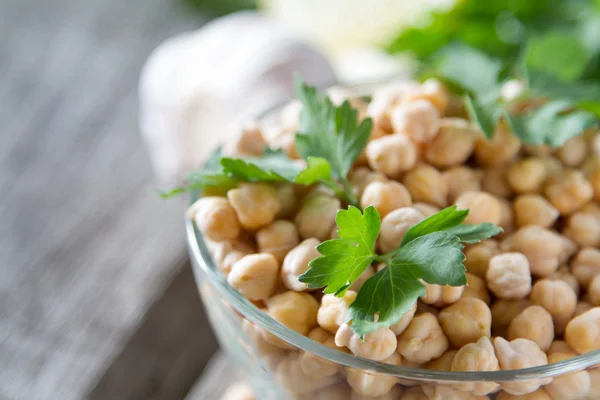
447, 218
471, 69
552, 124
330, 132
435, 257
344, 259
485, 115
468, 233
318, 170
559, 54
273, 166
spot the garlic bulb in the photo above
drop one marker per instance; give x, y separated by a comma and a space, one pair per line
199, 86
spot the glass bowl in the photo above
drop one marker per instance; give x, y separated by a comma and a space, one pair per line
281, 364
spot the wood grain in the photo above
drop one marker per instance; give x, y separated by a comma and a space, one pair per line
86, 245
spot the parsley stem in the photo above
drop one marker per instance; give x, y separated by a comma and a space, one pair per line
350, 196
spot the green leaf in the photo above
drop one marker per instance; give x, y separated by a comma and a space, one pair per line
445, 219
468, 233
330, 132
559, 54
210, 177
552, 124
484, 115
273, 166
391, 292
544, 85
344, 259
469, 68
318, 170
436, 258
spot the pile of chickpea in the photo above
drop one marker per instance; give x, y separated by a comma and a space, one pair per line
533, 293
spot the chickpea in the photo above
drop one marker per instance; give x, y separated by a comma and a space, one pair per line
442, 363
391, 154
507, 218
403, 323
573, 151
591, 170
569, 248
425, 183
476, 289
255, 276
517, 354
540, 394
563, 274
586, 265
583, 332
473, 357
423, 340
453, 144
502, 149
286, 193
315, 366
289, 374
557, 298
508, 276
594, 384
384, 99
215, 218
479, 255
570, 386
227, 252
584, 229
268, 353
503, 312
495, 182
482, 207
444, 392
533, 209
385, 197
441, 295
533, 323
542, 248
592, 208
255, 204
362, 278
462, 179
395, 225
568, 191
316, 217
552, 165
338, 391
297, 311
286, 141
296, 262
239, 391
527, 175
248, 141
418, 119
360, 177
277, 239
559, 346
366, 383
466, 321
394, 394
377, 345
434, 92
426, 209
332, 313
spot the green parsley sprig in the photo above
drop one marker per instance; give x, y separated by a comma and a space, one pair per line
430, 251
330, 140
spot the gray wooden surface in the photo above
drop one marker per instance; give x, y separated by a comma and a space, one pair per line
88, 252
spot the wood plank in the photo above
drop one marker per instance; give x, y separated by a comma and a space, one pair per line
86, 245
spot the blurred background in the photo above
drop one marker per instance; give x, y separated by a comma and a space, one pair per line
97, 298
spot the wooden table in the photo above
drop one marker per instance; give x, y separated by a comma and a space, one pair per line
96, 297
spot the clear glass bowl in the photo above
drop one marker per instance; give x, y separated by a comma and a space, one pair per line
282, 364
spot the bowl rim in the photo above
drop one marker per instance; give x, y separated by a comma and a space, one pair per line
201, 258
